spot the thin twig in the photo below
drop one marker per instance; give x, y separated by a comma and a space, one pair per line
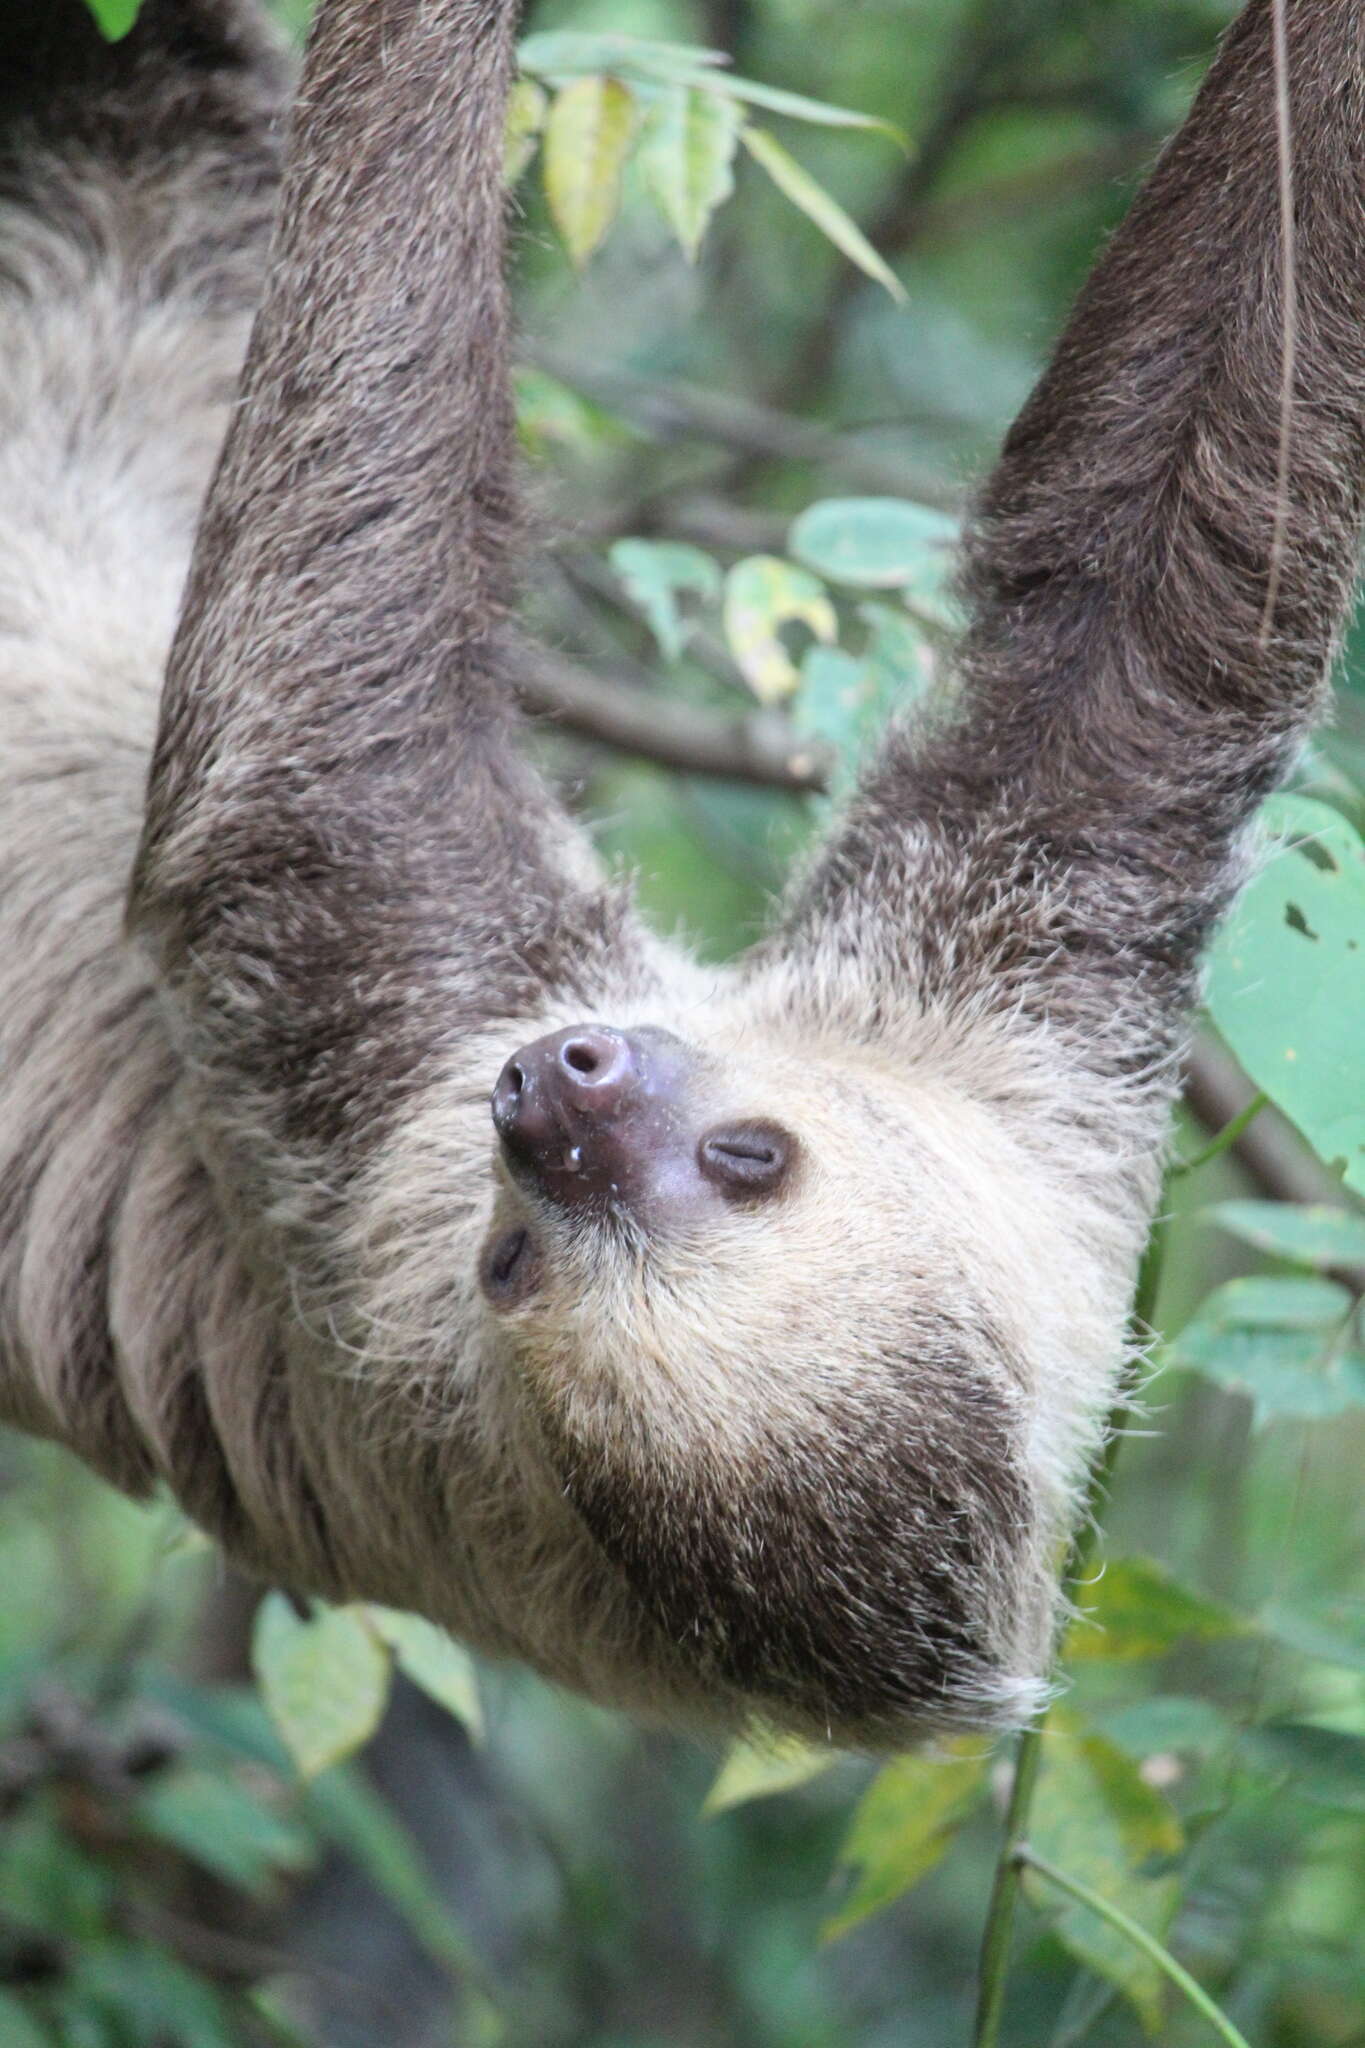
995, 1941
1106, 1910
1284, 153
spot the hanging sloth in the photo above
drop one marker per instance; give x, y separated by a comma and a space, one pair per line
720, 1342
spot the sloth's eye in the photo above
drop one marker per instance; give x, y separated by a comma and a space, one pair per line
748, 1159
508, 1268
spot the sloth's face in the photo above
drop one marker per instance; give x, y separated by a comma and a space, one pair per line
730, 1290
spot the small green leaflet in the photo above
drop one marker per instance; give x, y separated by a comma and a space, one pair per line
114, 18
1097, 1820
872, 543
1286, 984
820, 208
1286, 1343
222, 1824
526, 108
588, 134
1306, 1234
655, 573
1136, 1609
430, 1658
686, 157
903, 1825
759, 1768
325, 1680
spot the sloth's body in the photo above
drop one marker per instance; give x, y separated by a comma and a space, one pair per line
754, 1364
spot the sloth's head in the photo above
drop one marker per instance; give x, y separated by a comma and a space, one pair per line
730, 1287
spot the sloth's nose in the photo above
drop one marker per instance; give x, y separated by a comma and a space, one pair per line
586, 1072
560, 1105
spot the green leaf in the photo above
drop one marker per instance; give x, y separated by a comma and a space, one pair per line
1307, 1234
1325, 1766
219, 1824
17, 2030
550, 414
654, 572
871, 543
325, 1680
587, 139
565, 54
1330, 1628
569, 53
114, 18
1164, 1722
1282, 1342
526, 107
1095, 1817
351, 1814
903, 1825
762, 595
764, 1766
1287, 979
686, 157
430, 1658
1136, 1609
819, 207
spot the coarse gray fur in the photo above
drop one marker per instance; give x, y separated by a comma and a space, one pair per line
811, 1458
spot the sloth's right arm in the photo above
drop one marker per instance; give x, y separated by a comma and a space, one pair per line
1054, 855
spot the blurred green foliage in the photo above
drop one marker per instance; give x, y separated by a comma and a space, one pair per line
753, 454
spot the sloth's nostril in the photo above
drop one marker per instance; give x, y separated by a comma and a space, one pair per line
516, 1079
582, 1057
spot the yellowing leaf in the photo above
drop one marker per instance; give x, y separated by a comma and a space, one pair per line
1136, 1609
763, 594
526, 107
903, 1825
819, 207
758, 1769
687, 154
324, 1679
430, 1658
587, 140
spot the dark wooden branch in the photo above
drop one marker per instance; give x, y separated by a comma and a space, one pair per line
755, 747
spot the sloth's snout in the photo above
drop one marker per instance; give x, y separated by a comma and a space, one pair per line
577, 1109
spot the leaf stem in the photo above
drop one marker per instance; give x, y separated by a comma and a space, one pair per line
995, 1941
1105, 1909
1229, 1135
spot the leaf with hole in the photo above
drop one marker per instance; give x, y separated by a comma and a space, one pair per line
763, 596
904, 1824
587, 139
1286, 984
325, 1680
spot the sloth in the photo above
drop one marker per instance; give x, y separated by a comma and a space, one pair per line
728, 1344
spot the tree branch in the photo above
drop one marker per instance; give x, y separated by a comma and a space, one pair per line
755, 747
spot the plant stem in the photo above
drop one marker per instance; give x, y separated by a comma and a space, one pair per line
1229, 1135
995, 1941
1027, 1858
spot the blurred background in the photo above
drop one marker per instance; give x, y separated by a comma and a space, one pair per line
165, 1877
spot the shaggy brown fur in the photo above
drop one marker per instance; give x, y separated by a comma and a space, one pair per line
810, 1453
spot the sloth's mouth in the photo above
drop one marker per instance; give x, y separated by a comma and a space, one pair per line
507, 1267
